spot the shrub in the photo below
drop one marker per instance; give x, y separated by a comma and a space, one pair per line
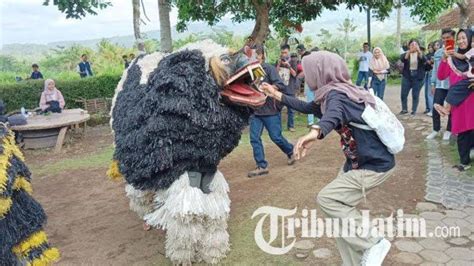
27, 93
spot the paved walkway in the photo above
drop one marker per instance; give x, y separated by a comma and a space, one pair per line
454, 193
455, 249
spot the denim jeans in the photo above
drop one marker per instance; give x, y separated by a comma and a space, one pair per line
273, 125
414, 84
291, 118
379, 87
428, 96
309, 98
362, 76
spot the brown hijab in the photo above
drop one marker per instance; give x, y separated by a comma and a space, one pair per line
325, 72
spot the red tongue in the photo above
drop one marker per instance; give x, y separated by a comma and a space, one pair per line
241, 89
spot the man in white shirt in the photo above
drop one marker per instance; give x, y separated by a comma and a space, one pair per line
364, 58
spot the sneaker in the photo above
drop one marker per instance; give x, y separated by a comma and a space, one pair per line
430, 114
426, 111
412, 113
291, 160
258, 171
403, 112
375, 255
446, 135
432, 135
291, 129
462, 167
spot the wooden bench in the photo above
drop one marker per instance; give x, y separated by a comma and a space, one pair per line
43, 131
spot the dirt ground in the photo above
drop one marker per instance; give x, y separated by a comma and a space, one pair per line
91, 224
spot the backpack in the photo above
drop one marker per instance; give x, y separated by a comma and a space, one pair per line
385, 124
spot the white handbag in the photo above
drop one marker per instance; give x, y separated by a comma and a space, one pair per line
385, 124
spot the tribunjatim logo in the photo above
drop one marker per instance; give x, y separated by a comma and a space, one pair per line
277, 228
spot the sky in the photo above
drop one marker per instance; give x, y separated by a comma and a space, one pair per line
28, 21
44, 24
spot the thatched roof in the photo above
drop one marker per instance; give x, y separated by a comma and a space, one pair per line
451, 19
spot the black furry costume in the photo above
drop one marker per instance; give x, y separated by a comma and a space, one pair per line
21, 217
153, 122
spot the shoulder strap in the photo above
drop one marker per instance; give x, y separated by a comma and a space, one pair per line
361, 126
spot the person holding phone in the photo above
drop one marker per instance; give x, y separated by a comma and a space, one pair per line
462, 114
412, 77
427, 81
287, 70
439, 87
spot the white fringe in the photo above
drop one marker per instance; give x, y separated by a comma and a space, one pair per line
196, 223
148, 63
141, 201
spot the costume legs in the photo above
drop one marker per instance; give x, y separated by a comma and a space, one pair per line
195, 221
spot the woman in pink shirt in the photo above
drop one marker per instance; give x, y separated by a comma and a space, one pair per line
52, 99
462, 115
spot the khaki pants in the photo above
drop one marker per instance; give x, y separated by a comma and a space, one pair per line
338, 200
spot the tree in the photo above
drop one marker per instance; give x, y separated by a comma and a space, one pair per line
399, 24
164, 8
282, 15
347, 26
78, 9
429, 10
136, 25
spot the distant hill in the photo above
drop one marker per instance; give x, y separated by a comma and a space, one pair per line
329, 20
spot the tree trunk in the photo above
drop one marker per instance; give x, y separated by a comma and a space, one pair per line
346, 38
136, 25
464, 14
164, 9
399, 25
262, 21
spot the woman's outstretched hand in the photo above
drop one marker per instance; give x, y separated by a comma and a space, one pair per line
304, 144
271, 91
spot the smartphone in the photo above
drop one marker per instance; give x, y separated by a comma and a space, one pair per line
449, 44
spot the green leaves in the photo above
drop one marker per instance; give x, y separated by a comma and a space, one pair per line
428, 10
78, 9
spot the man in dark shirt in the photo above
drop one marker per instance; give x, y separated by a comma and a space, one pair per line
268, 116
36, 74
84, 67
287, 69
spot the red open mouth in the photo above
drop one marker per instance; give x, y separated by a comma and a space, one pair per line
240, 88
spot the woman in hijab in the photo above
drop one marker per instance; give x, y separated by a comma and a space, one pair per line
51, 98
462, 114
379, 66
368, 162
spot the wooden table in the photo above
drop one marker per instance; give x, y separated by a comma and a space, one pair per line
43, 131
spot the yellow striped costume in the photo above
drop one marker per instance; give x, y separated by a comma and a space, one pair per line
22, 239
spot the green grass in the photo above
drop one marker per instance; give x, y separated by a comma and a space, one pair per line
99, 159
453, 156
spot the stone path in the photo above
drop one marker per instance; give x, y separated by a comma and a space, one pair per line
456, 249
444, 184
455, 192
